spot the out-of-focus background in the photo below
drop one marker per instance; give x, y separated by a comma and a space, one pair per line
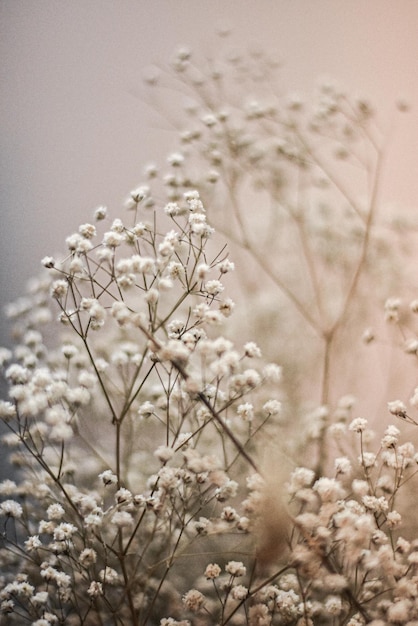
75, 127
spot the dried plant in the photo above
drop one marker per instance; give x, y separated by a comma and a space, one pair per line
163, 473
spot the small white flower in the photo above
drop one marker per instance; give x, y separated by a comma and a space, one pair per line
109, 576
193, 600
122, 519
213, 287
11, 508
33, 543
59, 288
176, 159
358, 425
246, 411
212, 571
164, 453
272, 373
64, 531
272, 407
95, 589
342, 465
398, 408
236, 568
252, 350
108, 477
100, 213
55, 511
48, 262
87, 557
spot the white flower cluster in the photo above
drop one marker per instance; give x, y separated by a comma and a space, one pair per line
117, 429
144, 437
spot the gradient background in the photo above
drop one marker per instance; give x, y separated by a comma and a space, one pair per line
75, 129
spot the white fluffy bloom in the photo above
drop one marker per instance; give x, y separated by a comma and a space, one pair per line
398, 408
342, 465
109, 576
164, 453
95, 589
235, 568
122, 519
358, 425
64, 531
55, 511
328, 489
11, 508
193, 600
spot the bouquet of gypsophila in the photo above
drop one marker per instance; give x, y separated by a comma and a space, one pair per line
140, 495
155, 475
131, 432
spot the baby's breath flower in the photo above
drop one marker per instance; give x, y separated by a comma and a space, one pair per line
272, 407
59, 288
48, 262
95, 589
8, 487
358, 425
377, 505
123, 496
367, 459
33, 543
93, 519
399, 611
328, 489
193, 600
176, 159
394, 519
109, 576
55, 511
202, 526
392, 307
236, 568
164, 453
87, 230
333, 605
212, 571
11, 508
64, 531
342, 465
146, 409
87, 557
229, 514
113, 239
239, 592
246, 411
301, 477
398, 408
252, 350
226, 307
100, 213
227, 490
213, 287
226, 266
272, 373
108, 477
17, 374
41, 597
122, 519
259, 615
390, 438
172, 208
7, 410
